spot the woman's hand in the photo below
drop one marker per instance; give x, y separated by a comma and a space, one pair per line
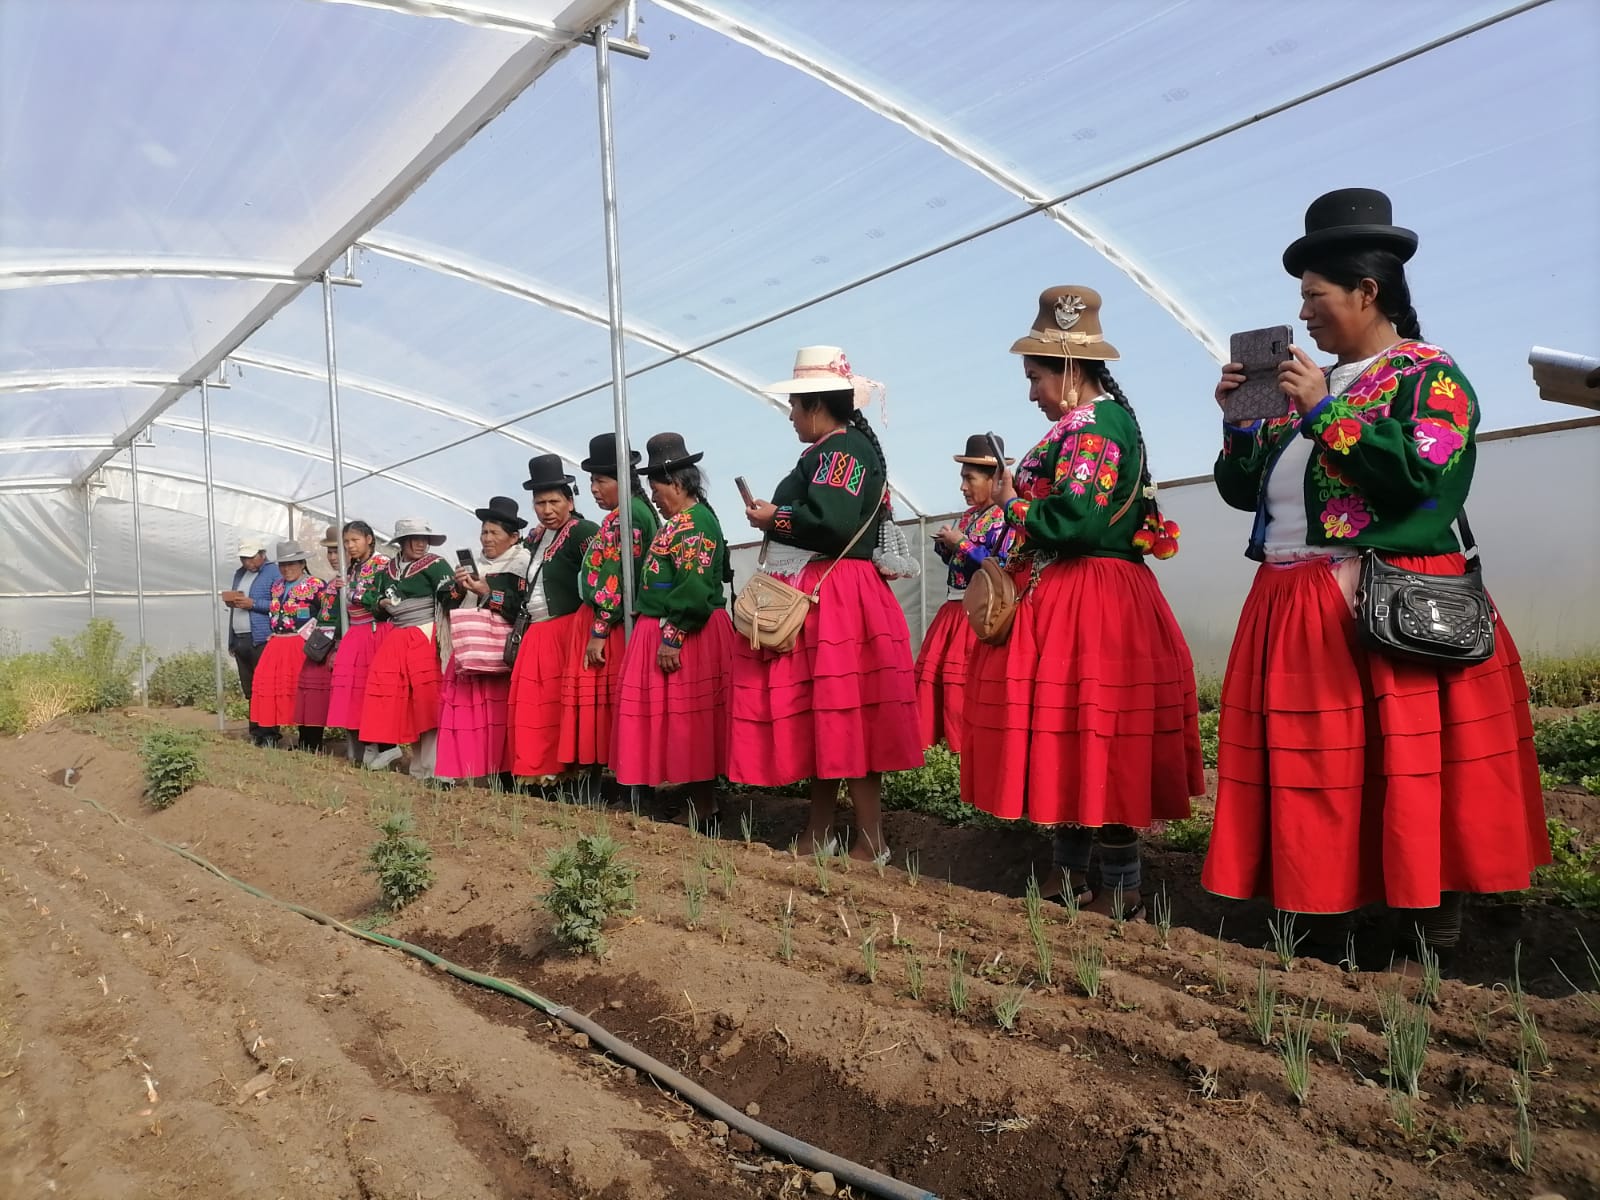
949, 537
1005, 487
1302, 381
1232, 377
594, 654
760, 514
669, 659
477, 586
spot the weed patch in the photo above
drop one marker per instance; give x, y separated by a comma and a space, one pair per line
588, 885
171, 765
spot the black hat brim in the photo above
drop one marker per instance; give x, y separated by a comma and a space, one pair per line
1400, 242
549, 485
590, 466
501, 518
671, 464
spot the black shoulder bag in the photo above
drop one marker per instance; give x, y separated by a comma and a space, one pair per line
1440, 620
520, 627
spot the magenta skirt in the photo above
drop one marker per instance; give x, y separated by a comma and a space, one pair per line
472, 725
671, 729
311, 697
351, 662
843, 703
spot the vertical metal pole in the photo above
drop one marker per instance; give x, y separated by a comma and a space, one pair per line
138, 561
337, 447
88, 525
619, 380
219, 631
923, 579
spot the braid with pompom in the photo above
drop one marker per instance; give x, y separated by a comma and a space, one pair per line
1156, 535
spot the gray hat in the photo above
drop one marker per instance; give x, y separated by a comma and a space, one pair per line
409, 527
289, 552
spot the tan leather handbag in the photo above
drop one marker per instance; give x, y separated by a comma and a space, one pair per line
769, 614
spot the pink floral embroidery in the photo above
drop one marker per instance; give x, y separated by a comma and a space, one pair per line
1381, 379
1345, 517
1076, 418
1436, 440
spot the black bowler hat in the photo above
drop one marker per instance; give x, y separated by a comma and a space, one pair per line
667, 453
1360, 218
978, 451
602, 458
503, 511
545, 474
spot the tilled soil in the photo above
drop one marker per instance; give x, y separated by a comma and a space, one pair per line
162, 1031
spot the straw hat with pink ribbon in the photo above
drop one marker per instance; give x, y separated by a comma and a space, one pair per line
826, 369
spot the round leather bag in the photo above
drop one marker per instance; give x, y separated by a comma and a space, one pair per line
990, 603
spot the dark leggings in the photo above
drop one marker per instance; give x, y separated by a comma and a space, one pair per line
1119, 853
1438, 928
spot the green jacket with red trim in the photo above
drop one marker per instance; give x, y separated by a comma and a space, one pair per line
832, 490
1393, 457
683, 570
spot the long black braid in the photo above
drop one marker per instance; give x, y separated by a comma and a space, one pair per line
1101, 374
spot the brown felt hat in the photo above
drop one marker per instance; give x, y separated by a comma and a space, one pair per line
1068, 326
978, 451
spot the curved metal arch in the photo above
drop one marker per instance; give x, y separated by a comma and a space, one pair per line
199, 480
19, 273
926, 129
521, 287
469, 14
388, 391
252, 438
88, 380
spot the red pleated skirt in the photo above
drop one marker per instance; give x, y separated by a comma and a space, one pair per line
311, 697
1088, 714
472, 725
941, 675
351, 662
1348, 778
843, 703
533, 715
588, 696
673, 729
277, 681
402, 700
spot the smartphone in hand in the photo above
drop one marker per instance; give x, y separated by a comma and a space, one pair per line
744, 490
464, 557
1260, 352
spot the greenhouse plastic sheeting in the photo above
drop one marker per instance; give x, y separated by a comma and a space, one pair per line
866, 175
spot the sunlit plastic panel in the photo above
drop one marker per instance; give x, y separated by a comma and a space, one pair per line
238, 129
743, 186
77, 413
1058, 95
380, 502
1499, 183
19, 465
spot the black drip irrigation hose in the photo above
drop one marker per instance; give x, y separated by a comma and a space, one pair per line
779, 1143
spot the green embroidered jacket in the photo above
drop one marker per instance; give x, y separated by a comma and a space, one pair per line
682, 577
829, 495
562, 561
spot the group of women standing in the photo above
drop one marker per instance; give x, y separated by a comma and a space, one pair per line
1347, 775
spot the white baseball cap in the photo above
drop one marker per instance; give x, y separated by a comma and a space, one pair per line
251, 549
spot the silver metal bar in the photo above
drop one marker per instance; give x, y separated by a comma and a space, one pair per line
630, 23
219, 631
922, 580
138, 564
619, 370
631, 49
337, 448
88, 558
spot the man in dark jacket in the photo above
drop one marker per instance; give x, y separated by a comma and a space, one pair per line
248, 602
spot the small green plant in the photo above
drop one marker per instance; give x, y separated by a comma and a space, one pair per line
1521, 1152
819, 858
786, 930
1262, 1008
747, 824
1336, 1031
913, 868
1008, 1006
694, 894
729, 874
1569, 747
1569, 682
1529, 1039
1432, 973
588, 884
1192, 835
1088, 962
869, 957
1349, 962
1161, 914
1219, 970
188, 680
1210, 742
1405, 1114
1405, 1040
1285, 942
1573, 875
1296, 1050
1034, 910
1119, 911
958, 982
914, 974
1592, 999
400, 861
171, 765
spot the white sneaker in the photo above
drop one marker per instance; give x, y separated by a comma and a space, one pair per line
383, 760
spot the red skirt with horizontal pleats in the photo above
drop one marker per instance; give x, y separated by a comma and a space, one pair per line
533, 714
673, 729
941, 676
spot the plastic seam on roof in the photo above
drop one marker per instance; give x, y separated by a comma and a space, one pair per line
521, 287
926, 129
468, 14
16, 273
89, 380
388, 391
515, 74
200, 481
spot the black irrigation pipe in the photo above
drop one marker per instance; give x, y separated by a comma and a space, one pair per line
779, 1143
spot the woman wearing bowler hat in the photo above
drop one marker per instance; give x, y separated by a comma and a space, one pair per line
296, 599
589, 688
472, 705
1346, 776
1086, 718
550, 600
979, 534
362, 635
402, 702
841, 706
671, 724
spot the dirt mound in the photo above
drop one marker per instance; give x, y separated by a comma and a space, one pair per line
165, 1032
